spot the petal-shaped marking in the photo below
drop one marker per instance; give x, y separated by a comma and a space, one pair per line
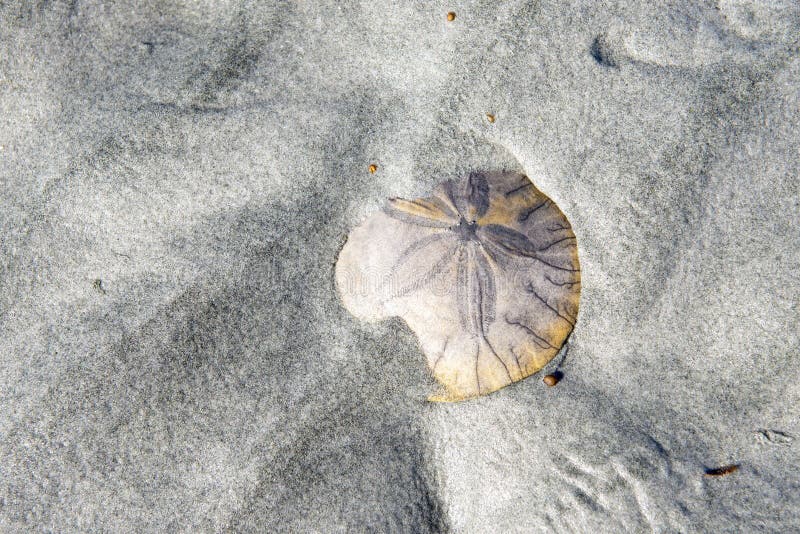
515, 243
476, 296
454, 193
443, 196
444, 204
470, 197
476, 291
509, 240
485, 275
478, 193
422, 212
420, 263
469, 295
464, 293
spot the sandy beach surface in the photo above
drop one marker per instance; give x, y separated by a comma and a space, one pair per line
177, 179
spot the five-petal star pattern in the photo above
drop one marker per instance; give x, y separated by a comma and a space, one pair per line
485, 272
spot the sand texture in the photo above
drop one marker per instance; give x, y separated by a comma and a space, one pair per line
178, 178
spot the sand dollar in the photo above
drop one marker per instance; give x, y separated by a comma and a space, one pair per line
485, 272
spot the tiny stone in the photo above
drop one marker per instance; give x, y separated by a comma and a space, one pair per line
490, 117
550, 380
451, 16
373, 169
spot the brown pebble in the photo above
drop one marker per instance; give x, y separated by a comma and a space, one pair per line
373, 169
490, 117
550, 380
451, 16
722, 471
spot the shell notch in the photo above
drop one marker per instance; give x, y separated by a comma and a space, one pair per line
485, 272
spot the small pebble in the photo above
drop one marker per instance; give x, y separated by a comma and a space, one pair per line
490, 117
373, 169
550, 380
451, 16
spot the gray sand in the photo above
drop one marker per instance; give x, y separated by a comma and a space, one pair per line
205, 162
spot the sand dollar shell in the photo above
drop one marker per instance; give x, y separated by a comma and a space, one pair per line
485, 272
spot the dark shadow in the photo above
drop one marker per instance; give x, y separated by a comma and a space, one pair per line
602, 53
